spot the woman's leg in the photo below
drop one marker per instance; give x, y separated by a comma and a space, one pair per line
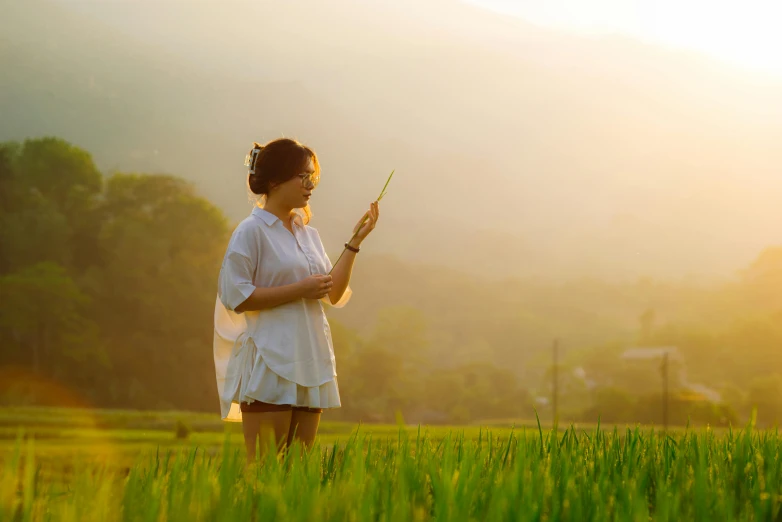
264, 426
303, 427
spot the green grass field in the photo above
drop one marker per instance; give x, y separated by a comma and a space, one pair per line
129, 466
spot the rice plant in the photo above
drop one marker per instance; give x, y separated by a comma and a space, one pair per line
529, 475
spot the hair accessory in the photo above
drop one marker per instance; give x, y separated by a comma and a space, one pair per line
252, 156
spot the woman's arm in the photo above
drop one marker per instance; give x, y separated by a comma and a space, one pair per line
263, 298
344, 267
342, 272
312, 287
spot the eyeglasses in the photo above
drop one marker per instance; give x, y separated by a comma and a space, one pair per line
309, 180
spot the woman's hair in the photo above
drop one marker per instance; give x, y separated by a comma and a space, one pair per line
277, 162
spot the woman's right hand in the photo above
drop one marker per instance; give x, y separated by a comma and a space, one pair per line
316, 286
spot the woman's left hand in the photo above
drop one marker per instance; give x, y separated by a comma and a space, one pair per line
369, 220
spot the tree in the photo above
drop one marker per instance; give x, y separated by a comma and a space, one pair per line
345, 342
61, 172
371, 382
611, 405
42, 317
36, 233
48, 196
403, 330
9, 180
765, 394
67, 180
160, 249
474, 391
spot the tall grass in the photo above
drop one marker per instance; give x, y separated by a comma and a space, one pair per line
529, 475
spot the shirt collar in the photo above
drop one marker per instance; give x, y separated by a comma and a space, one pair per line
271, 219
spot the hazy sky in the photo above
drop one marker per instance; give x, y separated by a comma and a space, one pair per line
744, 32
575, 155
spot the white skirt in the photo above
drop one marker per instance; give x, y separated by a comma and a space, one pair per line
266, 386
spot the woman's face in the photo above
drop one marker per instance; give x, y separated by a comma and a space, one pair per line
296, 192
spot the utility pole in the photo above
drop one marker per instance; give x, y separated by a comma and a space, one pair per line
555, 383
665, 391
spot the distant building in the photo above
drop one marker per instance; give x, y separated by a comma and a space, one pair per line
656, 352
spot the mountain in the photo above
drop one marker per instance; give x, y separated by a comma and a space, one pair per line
519, 151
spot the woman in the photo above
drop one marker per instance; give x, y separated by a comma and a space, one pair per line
273, 351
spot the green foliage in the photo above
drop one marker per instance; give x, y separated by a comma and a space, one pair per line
107, 284
522, 476
44, 324
765, 394
108, 288
612, 405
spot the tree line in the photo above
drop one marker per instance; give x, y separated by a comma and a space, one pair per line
107, 288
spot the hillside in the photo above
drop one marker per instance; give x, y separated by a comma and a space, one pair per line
522, 152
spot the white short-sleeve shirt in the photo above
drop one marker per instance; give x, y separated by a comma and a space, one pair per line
294, 339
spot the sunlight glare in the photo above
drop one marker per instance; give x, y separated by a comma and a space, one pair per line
744, 33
